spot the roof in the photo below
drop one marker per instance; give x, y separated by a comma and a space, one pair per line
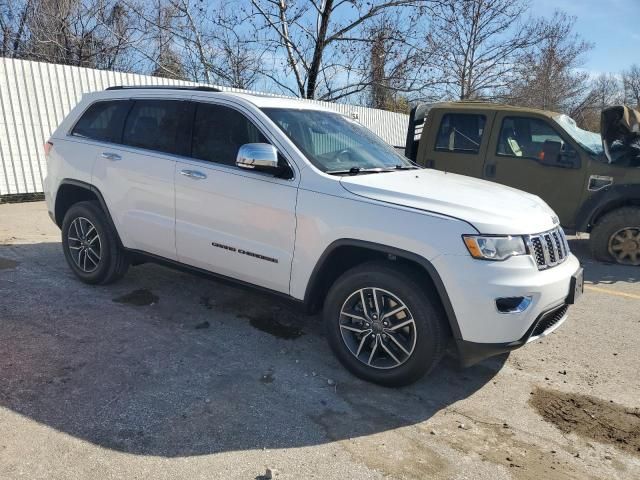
259, 100
480, 105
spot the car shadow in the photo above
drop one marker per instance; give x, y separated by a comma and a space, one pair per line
599, 272
169, 364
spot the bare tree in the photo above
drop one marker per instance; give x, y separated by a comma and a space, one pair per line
631, 82
319, 44
481, 41
547, 75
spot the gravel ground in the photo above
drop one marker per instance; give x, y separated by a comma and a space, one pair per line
168, 375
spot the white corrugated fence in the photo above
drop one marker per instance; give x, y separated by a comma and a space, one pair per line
35, 97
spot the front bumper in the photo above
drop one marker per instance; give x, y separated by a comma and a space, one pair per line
470, 353
474, 285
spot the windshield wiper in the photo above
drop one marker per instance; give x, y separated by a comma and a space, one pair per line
407, 167
357, 170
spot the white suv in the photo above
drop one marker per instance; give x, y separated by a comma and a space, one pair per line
308, 204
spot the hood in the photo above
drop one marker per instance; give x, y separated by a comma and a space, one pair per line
618, 120
491, 208
620, 132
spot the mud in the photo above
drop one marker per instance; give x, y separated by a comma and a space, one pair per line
590, 418
271, 324
139, 298
7, 263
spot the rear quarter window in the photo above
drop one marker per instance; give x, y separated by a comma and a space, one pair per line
460, 133
103, 121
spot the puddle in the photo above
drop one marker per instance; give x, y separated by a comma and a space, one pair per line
590, 418
138, 298
268, 322
6, 263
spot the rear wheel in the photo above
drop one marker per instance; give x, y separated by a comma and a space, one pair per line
616, 237
382, 324
90, 245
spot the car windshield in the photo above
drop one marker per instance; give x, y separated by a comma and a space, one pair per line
335, 144
590, 141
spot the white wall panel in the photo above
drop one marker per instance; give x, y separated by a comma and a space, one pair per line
35, 97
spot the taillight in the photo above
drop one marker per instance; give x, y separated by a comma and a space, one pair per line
47, 148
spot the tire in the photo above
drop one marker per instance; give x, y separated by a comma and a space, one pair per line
394, 287
616, 237
108, 262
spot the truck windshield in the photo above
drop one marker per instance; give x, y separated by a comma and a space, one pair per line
336, 144
590, 141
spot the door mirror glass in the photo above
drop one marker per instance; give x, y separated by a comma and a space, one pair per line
258, 156
558, 154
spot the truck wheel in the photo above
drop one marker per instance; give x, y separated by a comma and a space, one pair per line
383, 325
616, 237
90, 245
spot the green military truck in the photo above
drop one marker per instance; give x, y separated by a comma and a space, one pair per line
591, 180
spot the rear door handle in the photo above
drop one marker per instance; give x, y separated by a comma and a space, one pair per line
111, 156
196, 175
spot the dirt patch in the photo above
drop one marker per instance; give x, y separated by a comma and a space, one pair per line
273, 318
270, 323
590, 417
138, 298
7, 263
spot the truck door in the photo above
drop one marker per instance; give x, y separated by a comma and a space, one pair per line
530, 153
455, 141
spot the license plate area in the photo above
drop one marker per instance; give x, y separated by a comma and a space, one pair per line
576, 287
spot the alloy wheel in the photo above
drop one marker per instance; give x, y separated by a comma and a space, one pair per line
378, 328
85, 245
624, 246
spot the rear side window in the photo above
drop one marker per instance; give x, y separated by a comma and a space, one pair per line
460, 132
103, 121
219, 132
161, 125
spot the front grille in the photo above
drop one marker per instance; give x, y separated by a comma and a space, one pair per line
549, 319
549, 248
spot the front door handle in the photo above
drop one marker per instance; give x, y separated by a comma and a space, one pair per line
111, 156
196, 175
430, 164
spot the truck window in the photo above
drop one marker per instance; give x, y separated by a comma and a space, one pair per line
460, 132
525, 137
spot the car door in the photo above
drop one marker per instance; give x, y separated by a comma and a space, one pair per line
455, 141
136, 175
234, 222
516, 158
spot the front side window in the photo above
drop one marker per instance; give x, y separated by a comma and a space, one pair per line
461, 133
526, 137
103, 121
334, 143
160, 125
219, 132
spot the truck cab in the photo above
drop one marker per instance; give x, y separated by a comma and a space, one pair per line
591, 180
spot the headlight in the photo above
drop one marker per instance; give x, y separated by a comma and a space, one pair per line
494, 248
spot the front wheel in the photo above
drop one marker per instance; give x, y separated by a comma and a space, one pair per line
616, 237
383, 325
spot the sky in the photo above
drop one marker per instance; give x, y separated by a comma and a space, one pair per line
612, 25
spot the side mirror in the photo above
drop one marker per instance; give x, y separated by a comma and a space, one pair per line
553, 155
263, 157
257, 156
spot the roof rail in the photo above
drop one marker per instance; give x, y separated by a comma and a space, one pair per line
200, 88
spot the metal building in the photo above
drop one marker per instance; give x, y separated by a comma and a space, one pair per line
35, 97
